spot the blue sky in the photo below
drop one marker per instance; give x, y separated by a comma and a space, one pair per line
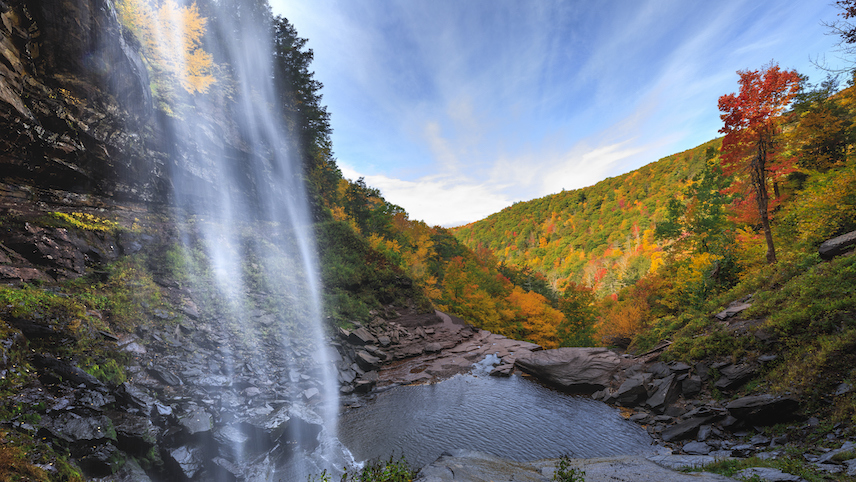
456, 109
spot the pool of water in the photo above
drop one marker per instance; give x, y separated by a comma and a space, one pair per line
514, 418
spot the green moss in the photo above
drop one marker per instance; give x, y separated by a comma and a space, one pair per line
82, 221
22, 456
34, 302
110, 371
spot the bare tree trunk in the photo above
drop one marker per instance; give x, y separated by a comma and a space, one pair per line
758, 172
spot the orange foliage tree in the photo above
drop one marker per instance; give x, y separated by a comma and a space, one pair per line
752, 123
535, 316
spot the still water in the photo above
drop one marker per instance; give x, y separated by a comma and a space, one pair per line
513, 418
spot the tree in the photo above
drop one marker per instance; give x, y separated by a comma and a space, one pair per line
171, 36
845, 29
752, 123
577, 327
821, 137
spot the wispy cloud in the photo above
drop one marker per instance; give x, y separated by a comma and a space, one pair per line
457, 109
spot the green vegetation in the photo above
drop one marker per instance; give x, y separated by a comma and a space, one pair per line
793, 464
375, 471
565, 472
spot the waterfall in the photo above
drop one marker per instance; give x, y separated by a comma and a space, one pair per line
247, 230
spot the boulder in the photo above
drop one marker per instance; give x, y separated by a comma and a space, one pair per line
135, 435
66, 371
837, 245
763, 409
196, 421
290, 424
367, 362
75, 429
165, 376
659, 370
188, 459
734, 376
575, 369
632, 392
691, 386
503, 370
665, 394
685, 429
696, 448
98, 460
361, 336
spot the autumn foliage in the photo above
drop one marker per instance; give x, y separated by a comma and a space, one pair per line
750, 151
171, 37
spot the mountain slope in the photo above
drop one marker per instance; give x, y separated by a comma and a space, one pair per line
600, 236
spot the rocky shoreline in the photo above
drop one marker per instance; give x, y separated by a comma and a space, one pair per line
187, 404
673, 401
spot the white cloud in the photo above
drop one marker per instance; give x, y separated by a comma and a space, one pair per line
442, 201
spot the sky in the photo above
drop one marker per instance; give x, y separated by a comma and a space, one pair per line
457, 109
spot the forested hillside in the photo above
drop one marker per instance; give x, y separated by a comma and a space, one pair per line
600, 236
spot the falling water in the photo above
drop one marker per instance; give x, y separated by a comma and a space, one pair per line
247, 231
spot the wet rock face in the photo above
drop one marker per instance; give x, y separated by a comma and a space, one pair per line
83, 38
34, 253
75, 96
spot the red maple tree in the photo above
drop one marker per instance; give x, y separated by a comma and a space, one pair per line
752, 123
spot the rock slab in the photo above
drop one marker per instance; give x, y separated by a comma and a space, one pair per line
467, 466
574, 369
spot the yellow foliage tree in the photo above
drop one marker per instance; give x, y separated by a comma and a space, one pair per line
171, 37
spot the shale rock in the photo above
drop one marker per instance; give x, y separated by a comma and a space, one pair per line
763, 409
734, 376
467, 466
576, 369
837, 246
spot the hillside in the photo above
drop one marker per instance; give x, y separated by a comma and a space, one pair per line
600, 236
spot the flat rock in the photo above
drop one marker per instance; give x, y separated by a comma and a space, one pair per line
466, 466
679, 462
576, 369
696, 448
733, 309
